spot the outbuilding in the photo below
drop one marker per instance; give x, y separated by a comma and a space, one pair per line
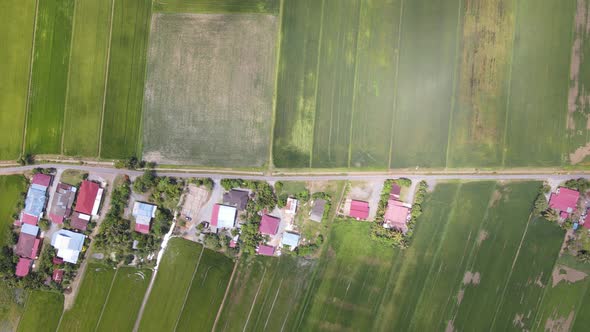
265, 250
290, 239
143, 213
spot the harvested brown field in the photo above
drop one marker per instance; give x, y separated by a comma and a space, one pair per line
209, 92
564, 273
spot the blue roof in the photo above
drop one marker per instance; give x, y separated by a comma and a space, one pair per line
144, 210
290, 239
30, 229
35, 201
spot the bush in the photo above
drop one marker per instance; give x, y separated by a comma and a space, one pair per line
44, 224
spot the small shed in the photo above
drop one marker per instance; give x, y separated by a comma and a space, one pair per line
265, 250
23, 267
291, 206
317, 211
290, 239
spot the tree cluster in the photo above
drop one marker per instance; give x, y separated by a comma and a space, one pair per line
203, 182
582, 185
133, 163
115, 232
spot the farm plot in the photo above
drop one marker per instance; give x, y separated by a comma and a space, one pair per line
209, 90
51, 60
218, 6
94, 289
206, 292
12, 306
267, 294
17, 19
11, 189
42, 312
175, 275
478, 118
536, 120
124, 300
87, 74
578, 103
124, 94
425, 83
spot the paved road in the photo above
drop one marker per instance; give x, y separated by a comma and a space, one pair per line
315, 177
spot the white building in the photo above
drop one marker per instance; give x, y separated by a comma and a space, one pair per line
68, 245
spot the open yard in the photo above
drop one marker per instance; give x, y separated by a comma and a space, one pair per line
209, 91
124, 95
51, 59
42, 312
17, 18
87, 74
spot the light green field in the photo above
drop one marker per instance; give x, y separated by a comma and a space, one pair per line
206, 292
124, 300
217, 6
124, 96
86, 86
42, 312
85, 313
16, 32
51, 61
11, 189
267, 294
173, 281
536, 128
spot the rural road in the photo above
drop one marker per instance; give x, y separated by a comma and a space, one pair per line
354, 176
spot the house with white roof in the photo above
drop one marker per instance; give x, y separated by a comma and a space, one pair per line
291, 206
223, 216
68, 244
143, 214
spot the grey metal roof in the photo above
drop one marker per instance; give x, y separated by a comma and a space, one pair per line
290, 239
237, 198
317, 212
35, 201
30, 229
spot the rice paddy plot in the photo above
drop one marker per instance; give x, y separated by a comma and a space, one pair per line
42, 312
17, 18
12, 306
479, 112
12, 187
87, 75
217, 6
124, 94
428, 57
125, 297
51, 59
267, 294
175, 275
209, 91
536, 128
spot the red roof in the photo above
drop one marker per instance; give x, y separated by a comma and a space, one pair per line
359, 209
41, 179
78, 223
86, 197
29, 219
27, 245
23, 267
564, 199
141, 228
215, 215
563, 214
266, 250
396, 215
395, 190
58, 275
269, 225
36, 246
57, 261
56, 219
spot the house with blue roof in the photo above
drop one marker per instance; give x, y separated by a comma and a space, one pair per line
290, 239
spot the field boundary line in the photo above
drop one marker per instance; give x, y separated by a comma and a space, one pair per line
254, 301
501, 302
139, 143
317, 83
509, 87
106, 300
28, 99
106, 78
188, 290
227, 289
273, 304
279, 41
354, 82
63, 133
396, 80
456, 68
20, 318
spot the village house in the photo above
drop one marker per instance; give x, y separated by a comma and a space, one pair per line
68, 244
564, 201
317, 211
290, 239
28, 244
89, 198
36, 199
291, 206
79, 221
269, 225
23, 267
143, 214
359, 209
237, 198
61, 206
265, 250
396, 215
223, 216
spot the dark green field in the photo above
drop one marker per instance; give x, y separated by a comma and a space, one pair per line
51, 61
124, 95
217, 6
42, 312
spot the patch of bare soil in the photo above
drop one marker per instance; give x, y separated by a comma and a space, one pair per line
154, 156
562, 272
560, 324
482, 236
569, 234
538, 281
580, 154
460, 296
496, 196
471, 278
195, 199
450, 327
517, 321
581, 28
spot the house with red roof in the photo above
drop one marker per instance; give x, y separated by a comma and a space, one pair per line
269, 225
58, 275
80, 221
61, 206
23, 267
359, 209
265, 250
28, 244
89, 198
564, 201
42, 180
397, 215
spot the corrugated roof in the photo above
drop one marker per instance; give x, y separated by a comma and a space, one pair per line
144, 210
265, 250
23, 267
359, 209
87, 197
25, 245
35, 202
564, 199
290, 239
30, 229
317, 212
61, 205
80, 221
68, 244
41, 179
141, 228
237, 198
269, 225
